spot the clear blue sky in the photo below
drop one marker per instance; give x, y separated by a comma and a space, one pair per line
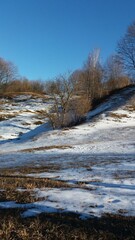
44, 38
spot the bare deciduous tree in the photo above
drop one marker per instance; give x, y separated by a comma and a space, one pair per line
126, 49
68, 108
8, 72
114, 74
61, 93
93, 76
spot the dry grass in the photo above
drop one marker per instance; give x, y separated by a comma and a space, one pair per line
24, 170
13, 179
118, 116
13, 182
64, 227
41, 112
46, 148
131, 108
7, 116
50, 226
38, 123
11, 95
131, 105
26, 124
11, 185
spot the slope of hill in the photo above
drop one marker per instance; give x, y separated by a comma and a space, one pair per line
95, 159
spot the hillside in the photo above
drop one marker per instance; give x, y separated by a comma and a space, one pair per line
92, 165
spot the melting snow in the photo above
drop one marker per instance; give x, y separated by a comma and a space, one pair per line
100, 164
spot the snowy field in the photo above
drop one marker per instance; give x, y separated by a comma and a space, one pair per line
96, 159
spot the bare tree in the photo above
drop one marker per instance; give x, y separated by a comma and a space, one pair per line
126, 49
92, 76
114, 74
77, 79
37, 86
61, 93
79, 106
68, 108
8, 72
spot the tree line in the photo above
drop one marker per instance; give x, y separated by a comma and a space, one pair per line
74, 94
10, 81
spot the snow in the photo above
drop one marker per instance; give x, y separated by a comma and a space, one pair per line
24, 115
98, 163
80, 201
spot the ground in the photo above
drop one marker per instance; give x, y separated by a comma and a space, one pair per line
81, 179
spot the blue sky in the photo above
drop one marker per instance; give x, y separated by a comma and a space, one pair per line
44, 38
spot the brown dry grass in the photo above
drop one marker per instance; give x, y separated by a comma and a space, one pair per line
13, 179
13, 182
7, 116
50, 226
23, 170
46, 148
38, 123
15, 94
131, 105
118, 116
41, 112
64, 227
10, 185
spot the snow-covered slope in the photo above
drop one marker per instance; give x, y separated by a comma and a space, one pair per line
100, 154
